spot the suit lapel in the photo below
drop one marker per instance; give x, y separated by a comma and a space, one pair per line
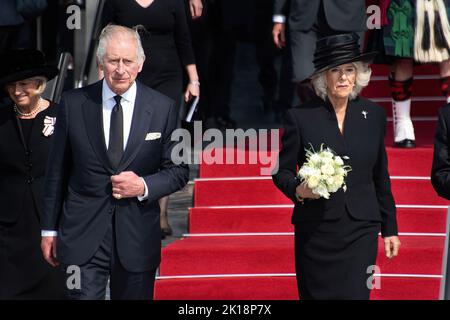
139, 125
93, 117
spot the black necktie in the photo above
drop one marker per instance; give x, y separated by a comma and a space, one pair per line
115, 147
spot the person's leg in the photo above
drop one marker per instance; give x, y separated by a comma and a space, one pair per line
303, 45
89, 281
126, 285
401, 82
165, 227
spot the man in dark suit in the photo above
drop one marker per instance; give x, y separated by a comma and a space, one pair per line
110, 163
307, 21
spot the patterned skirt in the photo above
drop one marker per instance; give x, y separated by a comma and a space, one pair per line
417, 29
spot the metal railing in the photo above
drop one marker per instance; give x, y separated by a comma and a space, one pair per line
445, 284
55, 87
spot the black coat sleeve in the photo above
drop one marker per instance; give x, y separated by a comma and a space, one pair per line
57, 170
280, 7
182, 34
284, 175
440, 171
383, 189
171, 177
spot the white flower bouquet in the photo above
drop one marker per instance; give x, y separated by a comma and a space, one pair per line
324, 171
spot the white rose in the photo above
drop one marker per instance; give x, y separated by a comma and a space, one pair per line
313, 182
327, 169
338, 160
327, 154
315, 158
322, 191
338, 180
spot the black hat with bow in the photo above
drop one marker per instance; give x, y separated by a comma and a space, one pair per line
20, 64
335, 50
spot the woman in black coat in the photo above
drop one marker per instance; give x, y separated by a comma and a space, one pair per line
26, 128
336, 239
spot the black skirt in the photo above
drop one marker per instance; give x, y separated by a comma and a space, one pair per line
332, 258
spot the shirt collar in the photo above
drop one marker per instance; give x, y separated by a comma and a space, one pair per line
129, 95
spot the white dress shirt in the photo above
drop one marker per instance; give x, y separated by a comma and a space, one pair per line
108, 103
279, 18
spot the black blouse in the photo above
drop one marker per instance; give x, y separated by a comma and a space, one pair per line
166, 39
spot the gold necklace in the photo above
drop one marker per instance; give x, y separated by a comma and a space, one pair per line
32, 113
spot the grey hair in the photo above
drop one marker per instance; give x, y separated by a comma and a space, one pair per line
109, 32
363, 73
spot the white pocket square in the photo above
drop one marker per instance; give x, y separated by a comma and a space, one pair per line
153, 136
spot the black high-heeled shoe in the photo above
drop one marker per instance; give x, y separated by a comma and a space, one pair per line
406, 143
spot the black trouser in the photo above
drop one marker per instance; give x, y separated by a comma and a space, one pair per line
105, 263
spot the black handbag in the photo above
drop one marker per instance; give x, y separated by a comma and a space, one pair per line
31, 8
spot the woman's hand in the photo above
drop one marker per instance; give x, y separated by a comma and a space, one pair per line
391, 246
305, 193
192, 90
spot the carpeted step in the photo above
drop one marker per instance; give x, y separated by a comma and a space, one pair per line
423, 69
283, 288
424, 132
262, 191
400, 163
278, 219
379, 88
275, 254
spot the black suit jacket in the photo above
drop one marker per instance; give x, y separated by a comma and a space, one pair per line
368, 195
78, 199
342, 15
440, 172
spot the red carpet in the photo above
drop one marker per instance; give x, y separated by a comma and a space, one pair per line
400, 163
262, 191
278, 219
275, 254
256, 259
282, 288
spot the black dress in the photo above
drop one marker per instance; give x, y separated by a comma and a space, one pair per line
24, 274
166, 40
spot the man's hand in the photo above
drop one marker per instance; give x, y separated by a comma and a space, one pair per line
196, 8
127, 185
391, 246
48, 247
279, 35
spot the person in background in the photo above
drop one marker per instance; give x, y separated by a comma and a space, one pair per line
302, 22
26, 128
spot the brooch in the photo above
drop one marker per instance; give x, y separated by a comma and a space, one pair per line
49, 126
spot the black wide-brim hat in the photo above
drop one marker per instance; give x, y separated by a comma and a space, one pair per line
20, 64
335, 50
